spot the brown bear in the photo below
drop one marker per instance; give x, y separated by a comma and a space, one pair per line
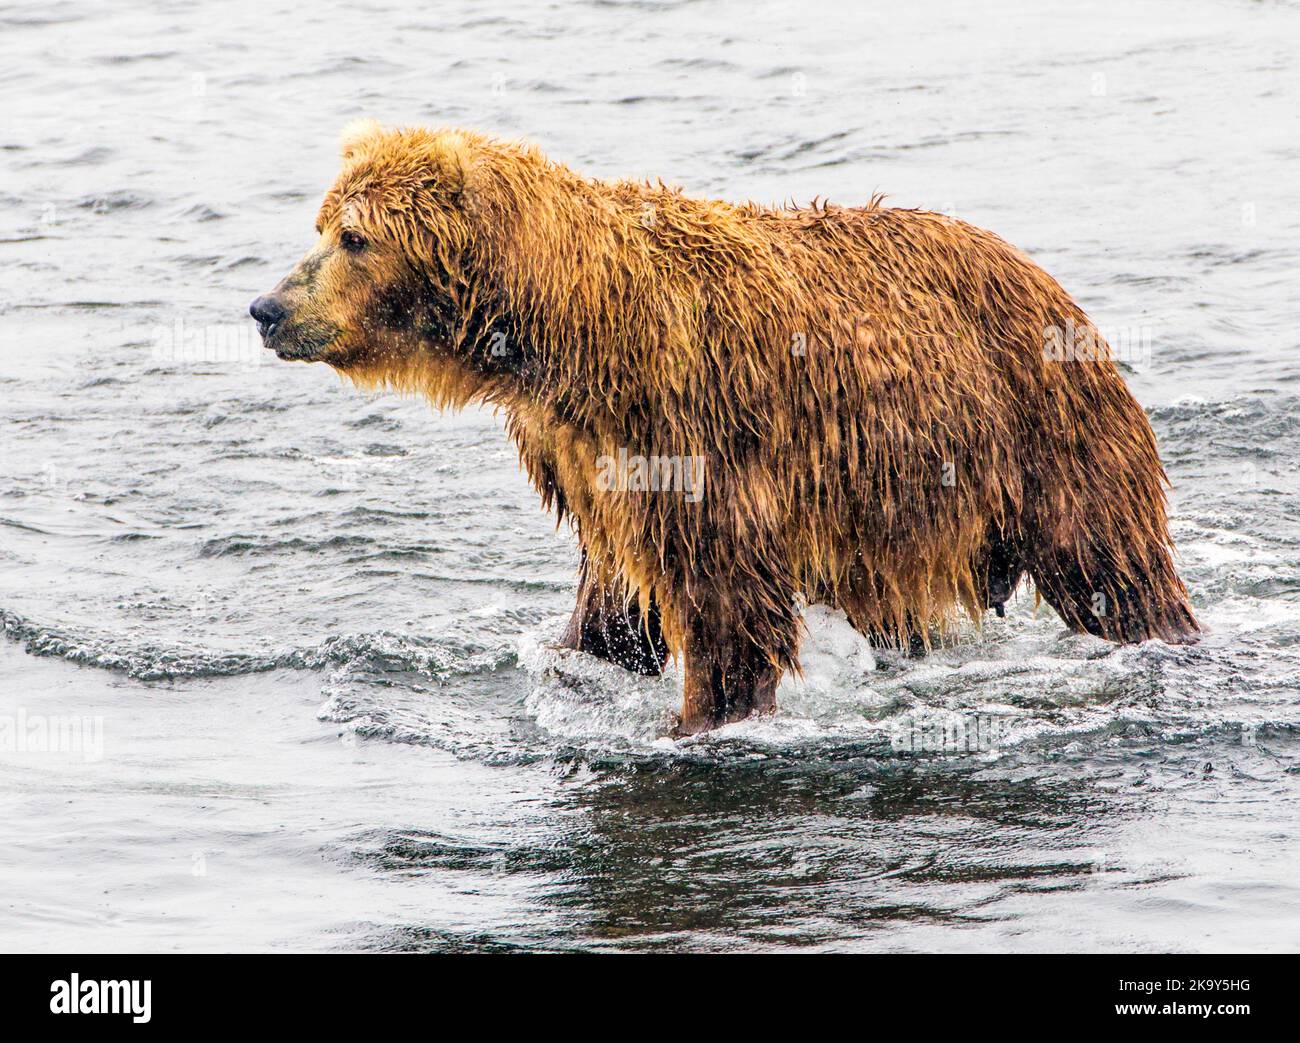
742, 409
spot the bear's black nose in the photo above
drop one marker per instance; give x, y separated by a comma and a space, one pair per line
266, 310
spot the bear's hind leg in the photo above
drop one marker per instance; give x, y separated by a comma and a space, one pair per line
610, 626
1120, 596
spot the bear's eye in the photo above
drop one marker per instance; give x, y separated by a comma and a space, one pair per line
353, 242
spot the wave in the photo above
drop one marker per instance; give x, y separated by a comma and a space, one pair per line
374, 653
243, 544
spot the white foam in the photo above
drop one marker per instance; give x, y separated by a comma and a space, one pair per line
580, 697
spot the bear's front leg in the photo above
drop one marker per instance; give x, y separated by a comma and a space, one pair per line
608, 625
727, 679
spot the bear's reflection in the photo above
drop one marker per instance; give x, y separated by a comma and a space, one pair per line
760, 853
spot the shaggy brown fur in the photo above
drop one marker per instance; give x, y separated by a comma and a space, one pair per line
882, 428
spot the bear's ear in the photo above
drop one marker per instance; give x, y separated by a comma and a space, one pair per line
451, 159
356, 134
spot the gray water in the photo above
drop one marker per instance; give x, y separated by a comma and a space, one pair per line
293, 641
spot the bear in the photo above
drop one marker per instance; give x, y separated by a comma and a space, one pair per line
743, 409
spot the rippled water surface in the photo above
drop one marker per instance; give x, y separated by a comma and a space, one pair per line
315, 626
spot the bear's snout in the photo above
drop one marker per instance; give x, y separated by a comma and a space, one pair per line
290, 330
268, 312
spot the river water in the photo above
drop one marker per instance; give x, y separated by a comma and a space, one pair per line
278, 672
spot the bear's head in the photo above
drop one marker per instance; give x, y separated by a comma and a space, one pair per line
389, 283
